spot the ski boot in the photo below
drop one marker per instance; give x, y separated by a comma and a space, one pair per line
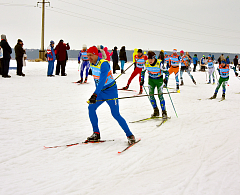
213, 81
181, 83
80, 81
223, 96
178, 90
85, 81
125, 88
95, 137
155, 113
164, 114
194, 81
209, 82
131, 139
214, 96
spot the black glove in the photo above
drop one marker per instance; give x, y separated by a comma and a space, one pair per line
165, 81
93, 98
90, 72
236, 74
142, 82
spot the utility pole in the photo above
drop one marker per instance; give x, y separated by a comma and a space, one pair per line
42, 51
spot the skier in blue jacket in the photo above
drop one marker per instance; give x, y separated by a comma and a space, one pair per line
85, 63
106, 88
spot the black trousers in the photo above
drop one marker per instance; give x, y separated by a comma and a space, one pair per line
114, 66
195, 66
5, 66
0, 66
19, 65
60, 64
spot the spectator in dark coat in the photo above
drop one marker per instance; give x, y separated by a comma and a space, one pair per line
19, 52
7, 50
122, 58
235, 61
161, 56
1, 56
115, 59
61, 55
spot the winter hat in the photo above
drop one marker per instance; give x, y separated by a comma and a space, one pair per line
223, 62
151, 55
101, 47
3, 37
115, 47
19, 40
209, 56
51, 42
139, 51
61, 40
174, 50
203, 56
84, 46
93, 50
165, 53
182, 51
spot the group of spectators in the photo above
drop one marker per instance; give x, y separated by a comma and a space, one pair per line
5, 56
122, 57
60, 54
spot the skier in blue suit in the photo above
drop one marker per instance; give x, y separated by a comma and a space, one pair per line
106, 88
85, 63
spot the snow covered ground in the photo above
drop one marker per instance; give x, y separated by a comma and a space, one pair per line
197, 153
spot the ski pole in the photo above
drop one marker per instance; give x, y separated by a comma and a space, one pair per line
123, 71
206, 75
131, 97
216, 75
172, 102
146, 93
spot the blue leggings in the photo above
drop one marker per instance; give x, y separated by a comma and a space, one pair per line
122, 64
114, 106
84, 64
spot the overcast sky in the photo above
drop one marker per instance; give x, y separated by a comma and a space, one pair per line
189, 25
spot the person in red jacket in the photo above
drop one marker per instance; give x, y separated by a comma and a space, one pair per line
61, 55
140, 60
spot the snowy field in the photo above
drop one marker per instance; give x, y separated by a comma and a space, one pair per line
197, 153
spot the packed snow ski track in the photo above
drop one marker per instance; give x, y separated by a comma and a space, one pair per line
197, 153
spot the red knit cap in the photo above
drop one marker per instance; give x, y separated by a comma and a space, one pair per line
93, 50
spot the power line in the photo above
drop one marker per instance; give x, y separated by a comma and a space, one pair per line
16, 5
90, 18
155, 23
133, 7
